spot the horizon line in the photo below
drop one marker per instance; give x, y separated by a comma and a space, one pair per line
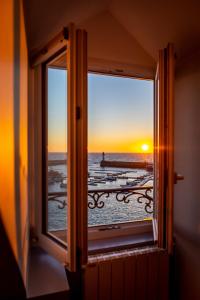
106, 152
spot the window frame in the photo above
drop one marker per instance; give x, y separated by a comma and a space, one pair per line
44, 145
134, 228
36, 173
75, 40
35, 139
95, 230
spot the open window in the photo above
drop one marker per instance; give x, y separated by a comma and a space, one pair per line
107, 153
60, 74
120, 161
120, 184
164, 149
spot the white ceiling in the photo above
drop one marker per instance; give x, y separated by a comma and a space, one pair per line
153, 23
45, 18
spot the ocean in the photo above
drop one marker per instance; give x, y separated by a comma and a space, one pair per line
99, 178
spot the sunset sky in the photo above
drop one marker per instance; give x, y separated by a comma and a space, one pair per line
120, 113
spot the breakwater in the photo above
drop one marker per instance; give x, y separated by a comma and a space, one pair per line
57, 162
127, 164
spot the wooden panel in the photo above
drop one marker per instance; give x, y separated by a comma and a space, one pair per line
129, 277
91, 283
152, 277
141, 276
105, 280
138, 276
117, 279
163, 275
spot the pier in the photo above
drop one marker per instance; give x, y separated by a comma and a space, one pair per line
57, 162
126, 164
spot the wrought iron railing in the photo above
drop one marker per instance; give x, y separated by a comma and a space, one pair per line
96, 197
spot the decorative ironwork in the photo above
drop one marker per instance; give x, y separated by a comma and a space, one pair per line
95, 197
123, 195
143, 195
54, 197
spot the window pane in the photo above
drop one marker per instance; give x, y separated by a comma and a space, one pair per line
120, 149
57, 148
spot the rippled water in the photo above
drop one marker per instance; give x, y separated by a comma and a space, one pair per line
113, 211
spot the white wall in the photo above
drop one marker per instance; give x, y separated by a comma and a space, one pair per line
187, 192
13, 129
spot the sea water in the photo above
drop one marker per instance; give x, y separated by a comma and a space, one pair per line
113, 211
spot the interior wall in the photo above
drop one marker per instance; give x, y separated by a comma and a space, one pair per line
111, 47
13, 130
187, 192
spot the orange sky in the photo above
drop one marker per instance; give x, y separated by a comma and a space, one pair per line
120, 113
120, 145
111, 146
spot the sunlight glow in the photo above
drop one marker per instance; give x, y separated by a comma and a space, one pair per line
145, 147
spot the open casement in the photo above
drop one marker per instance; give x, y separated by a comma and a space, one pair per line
77, 148
164, 149
73, 42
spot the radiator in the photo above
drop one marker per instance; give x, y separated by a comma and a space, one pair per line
131, 275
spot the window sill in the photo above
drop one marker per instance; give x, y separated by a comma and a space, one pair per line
46, 275
119, 243
101, 239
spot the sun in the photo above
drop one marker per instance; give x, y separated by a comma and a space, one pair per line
145, 147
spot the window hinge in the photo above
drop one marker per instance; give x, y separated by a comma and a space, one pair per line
166, 176
78, 112
65, 33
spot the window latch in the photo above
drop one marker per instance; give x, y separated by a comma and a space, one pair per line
111, 227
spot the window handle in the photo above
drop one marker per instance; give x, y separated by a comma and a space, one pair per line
177, 177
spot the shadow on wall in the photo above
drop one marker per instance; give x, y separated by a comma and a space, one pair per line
187, 193
13, 131
16, 80
187, 265
11, 283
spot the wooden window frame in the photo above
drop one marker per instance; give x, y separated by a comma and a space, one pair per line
44, 141
133, 225
81, 240
76, 42
94, 232
164, 149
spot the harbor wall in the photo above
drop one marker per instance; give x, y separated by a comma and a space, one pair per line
126, 164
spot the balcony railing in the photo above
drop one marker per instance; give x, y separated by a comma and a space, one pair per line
97, 197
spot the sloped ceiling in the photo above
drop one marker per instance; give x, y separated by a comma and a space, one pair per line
45, 18
157, 22
152, 23
109, 41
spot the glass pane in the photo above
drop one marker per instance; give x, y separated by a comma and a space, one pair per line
120, 149
57, 148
